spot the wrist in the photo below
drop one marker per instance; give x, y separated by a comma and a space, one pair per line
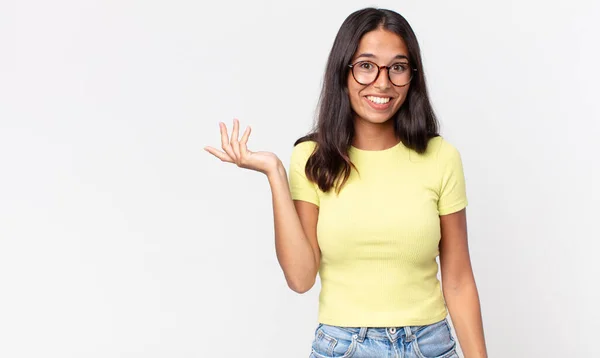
277, 170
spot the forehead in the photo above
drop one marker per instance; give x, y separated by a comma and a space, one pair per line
382, 43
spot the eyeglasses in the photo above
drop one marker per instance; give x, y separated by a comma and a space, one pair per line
367, 72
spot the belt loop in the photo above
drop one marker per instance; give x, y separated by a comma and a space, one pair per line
409, 335
362, 334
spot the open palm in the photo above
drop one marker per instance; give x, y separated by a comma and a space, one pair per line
236, 151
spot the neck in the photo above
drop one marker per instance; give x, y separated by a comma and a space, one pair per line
374, 136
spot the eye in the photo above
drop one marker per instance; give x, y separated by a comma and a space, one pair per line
399, 67
366, 65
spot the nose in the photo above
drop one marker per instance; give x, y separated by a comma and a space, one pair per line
382, 81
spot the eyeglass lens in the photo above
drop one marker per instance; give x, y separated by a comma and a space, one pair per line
365, 72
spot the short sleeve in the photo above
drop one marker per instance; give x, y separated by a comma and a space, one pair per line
300, 187
452, 196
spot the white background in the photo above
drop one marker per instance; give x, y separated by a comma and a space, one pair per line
121, 237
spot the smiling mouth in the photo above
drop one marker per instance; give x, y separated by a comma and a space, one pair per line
379, 100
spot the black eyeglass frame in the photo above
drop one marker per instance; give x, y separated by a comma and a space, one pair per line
413, 70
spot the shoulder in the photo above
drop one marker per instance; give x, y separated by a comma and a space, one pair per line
440, 153
301, 152
441, 149
304, 148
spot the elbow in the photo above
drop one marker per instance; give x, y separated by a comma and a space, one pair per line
300, 286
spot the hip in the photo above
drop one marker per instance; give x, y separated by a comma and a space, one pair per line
426, 341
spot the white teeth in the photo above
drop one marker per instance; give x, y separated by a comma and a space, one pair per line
378, 100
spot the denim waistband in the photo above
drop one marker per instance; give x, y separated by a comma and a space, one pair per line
406, 334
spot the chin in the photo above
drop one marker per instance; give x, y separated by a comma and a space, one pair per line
376, 119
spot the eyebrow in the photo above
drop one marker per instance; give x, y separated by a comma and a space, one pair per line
370, 55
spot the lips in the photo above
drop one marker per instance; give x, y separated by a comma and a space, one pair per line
380, 104
378, 99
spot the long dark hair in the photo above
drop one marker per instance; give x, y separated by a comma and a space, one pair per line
414, 123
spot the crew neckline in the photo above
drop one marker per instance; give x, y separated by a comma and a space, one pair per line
376, 151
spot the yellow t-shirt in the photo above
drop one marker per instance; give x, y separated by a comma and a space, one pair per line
379, 237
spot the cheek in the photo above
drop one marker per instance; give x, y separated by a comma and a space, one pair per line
402, 97
354, 96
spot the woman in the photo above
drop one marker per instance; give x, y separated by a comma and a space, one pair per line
388, 194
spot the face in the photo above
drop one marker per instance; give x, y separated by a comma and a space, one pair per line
370, 102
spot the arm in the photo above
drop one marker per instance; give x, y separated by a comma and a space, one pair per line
295, 221
295, 234
458, 285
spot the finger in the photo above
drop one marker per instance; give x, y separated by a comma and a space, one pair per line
244, 141
217, 153
235, 134
234, 142
225, 140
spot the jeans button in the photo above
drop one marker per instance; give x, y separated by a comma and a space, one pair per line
393, 330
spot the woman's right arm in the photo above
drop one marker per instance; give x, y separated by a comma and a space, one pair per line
295, 221
295, 234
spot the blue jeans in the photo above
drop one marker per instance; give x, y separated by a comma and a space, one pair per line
430, 341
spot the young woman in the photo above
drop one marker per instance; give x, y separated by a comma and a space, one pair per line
374, 195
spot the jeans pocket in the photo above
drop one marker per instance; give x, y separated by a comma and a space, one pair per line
435, 341
333, 342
